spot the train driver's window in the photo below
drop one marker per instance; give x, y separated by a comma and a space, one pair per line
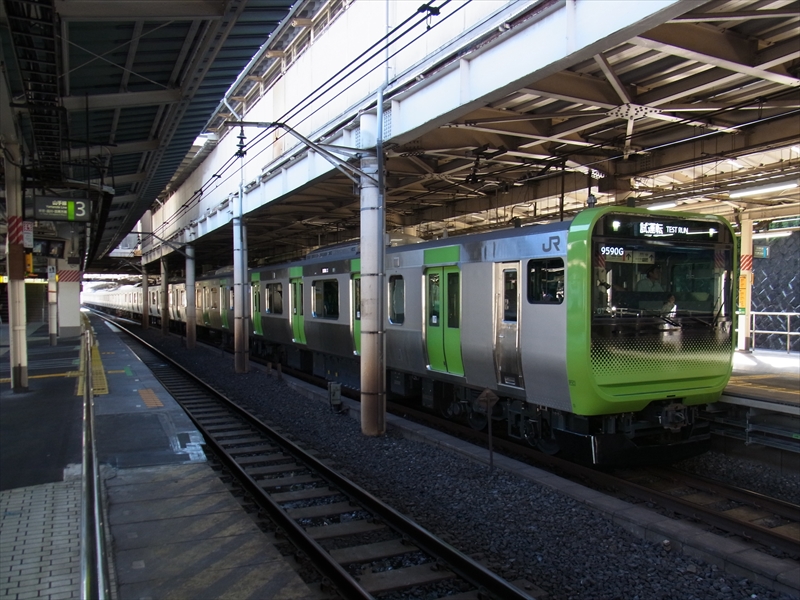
326, 299
397, 299
546, 281
510, 292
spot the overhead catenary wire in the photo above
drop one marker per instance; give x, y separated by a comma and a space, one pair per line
325, 87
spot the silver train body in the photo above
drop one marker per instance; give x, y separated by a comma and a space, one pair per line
462, 315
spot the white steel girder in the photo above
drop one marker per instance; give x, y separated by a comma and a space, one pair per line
438, 89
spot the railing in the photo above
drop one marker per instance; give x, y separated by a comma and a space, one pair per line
94, 574
788, 332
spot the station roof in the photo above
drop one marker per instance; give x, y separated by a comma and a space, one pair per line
109, 96
687, 112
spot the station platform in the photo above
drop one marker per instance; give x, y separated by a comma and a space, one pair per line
176, 531
766, 374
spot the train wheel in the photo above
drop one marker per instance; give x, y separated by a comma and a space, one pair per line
449, 410
477, 420
541, 440
530, 432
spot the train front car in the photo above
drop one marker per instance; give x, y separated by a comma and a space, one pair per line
650, 335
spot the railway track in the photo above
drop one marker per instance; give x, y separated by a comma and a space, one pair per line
768, 523
771, 523
358, 544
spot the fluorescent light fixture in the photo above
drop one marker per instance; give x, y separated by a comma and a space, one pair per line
735, 163
762, 235
777, 187
662, 206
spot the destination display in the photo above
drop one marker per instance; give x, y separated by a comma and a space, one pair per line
48, 208
621, 225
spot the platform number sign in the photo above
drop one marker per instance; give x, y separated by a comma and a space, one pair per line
48, 208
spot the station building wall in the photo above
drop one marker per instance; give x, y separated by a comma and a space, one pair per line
776, 288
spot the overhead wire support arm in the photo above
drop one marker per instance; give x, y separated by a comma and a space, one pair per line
353, 173
174, 245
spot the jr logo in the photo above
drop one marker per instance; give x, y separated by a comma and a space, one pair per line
552, 243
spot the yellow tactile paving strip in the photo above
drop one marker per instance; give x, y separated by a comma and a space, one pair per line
99, 381
150, 398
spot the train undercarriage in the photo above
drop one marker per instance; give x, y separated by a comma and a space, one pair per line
664, 432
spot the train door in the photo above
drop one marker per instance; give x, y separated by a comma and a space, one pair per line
443, 330
357, 312
298, 321
225, 303
506, 346
255, 303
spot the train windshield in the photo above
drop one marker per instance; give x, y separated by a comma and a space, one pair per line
669, 268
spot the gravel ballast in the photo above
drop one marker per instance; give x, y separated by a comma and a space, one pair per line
518, 528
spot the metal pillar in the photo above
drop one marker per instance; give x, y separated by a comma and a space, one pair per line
15, 266
745, 284
145, 299
164, 296
373, 355
191, 300
52, 300
240, 329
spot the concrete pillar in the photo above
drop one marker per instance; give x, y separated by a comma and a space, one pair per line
745, 284
69, 301
52, 300
191, 300
15, 267
164, 309
373, 355
145, 298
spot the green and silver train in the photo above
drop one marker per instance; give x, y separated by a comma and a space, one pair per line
602, 336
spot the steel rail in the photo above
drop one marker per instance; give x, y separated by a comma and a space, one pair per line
751, 531
462, 565
781, 508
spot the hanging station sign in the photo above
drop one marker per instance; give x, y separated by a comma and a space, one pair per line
49, 208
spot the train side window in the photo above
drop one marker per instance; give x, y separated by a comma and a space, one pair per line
453, 301
546, 281
230, 298
357, 298
397, 299
326, 299
274, 298
433, 299
510, 292
214, 293
256, 297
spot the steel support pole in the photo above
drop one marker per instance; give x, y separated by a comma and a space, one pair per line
164, 296
191, 300
240, 333
745, 284
15, 266
145, 298
373, 355
52, 301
